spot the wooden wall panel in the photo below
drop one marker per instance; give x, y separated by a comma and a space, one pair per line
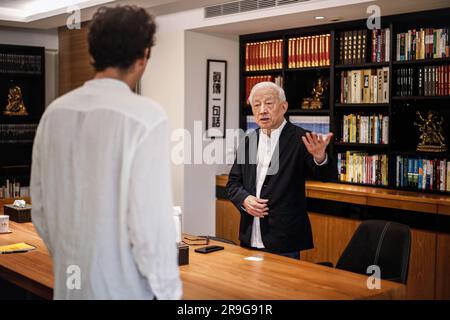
422, 265
74, 60
340, 232
443, 266
227, 221
331, 235
319, 225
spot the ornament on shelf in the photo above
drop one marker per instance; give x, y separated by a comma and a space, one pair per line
316, 101
15, 106
431, 138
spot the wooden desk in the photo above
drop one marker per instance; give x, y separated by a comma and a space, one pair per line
218, 275
33, 270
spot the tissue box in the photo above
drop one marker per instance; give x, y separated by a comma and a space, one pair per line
183, 254
18, 214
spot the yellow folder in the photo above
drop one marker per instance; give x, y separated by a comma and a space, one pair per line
17, 247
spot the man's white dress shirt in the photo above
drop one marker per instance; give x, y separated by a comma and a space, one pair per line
101, 195
266, 147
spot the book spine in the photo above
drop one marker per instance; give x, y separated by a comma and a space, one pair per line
397, 47
386, 85
308, 52
374, 45
420, 91
315, 60
327, 49
359, 47
402, 47
448, 176
299, 53
388, 45
345, 53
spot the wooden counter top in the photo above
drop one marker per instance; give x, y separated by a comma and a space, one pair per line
219, 275
372, 196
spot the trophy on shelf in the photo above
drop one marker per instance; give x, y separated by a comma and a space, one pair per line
316, 101
431, 138
15, 106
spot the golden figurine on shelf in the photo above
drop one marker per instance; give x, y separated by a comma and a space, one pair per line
15, 106
316, 102
431, 138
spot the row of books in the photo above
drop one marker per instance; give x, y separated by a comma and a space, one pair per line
360, 167
12, 189
250, 82
426, 43
381, 45
365, 86
20, 63
17, 133
264, 55
423, 174
357, 128
317, 124
353, 46
423, 81
310, 51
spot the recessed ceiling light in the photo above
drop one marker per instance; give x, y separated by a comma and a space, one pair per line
319, 17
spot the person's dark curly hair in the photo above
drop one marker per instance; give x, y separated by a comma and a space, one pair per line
119, 36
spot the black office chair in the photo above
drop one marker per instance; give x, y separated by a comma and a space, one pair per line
382, 243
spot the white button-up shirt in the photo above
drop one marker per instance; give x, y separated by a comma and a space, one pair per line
101, 194
266, 147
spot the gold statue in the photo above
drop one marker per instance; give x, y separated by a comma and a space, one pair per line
317, 95
431, 138
15, 106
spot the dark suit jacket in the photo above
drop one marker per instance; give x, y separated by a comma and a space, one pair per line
286, 228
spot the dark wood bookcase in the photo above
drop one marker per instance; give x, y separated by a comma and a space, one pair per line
21, 66
297, 83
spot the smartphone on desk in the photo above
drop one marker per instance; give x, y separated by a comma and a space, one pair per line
209, 249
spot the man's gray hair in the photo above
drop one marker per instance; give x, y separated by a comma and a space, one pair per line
266, 85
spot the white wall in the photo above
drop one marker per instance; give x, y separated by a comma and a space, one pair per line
176, 78
199, 179
40, 38
29, 37
163, 81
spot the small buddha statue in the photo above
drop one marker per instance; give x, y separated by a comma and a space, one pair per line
318, 92
316, 100
15, 106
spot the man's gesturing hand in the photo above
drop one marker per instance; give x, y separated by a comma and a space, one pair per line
256, 207
316, 145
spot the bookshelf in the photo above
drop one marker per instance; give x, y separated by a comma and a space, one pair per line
399, 107
22, 93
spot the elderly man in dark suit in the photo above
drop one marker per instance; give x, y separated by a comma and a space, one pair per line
267, 180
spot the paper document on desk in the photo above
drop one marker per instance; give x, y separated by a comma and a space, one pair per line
253, 258
17, 247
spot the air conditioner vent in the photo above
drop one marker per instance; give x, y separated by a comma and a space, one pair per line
234, 7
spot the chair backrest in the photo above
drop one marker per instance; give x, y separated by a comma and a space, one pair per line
382, 243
